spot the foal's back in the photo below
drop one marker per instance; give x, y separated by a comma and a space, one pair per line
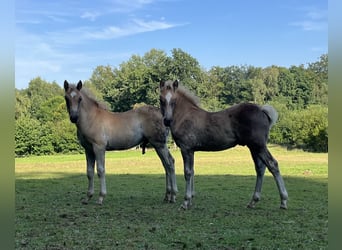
123, 130
243, 124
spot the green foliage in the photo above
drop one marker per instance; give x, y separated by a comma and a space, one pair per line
65, 140
305, 128
22, 104
32, 137
43, 126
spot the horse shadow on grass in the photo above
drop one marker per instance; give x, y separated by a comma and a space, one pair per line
49, 214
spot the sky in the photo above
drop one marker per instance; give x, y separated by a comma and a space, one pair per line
67, 39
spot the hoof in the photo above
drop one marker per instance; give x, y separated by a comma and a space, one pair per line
182, 207
85, 201
170, 198
99, 201
251, 206
167, 198
252, 203
283, 206
186, 205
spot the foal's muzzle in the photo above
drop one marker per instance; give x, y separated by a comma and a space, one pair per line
73, 118
167, 122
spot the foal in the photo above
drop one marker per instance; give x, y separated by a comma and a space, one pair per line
195, 129
99, 130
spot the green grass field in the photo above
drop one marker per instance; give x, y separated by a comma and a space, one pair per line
49, 213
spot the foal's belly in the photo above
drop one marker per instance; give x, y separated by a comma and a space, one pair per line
209, 143
122, 143
214, 146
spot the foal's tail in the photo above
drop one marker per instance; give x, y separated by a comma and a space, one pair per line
271, 113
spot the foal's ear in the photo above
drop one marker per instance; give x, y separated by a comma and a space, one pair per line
79, 85
175, 85
161, 84
66, 85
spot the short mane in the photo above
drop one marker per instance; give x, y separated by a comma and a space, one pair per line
186, 93
85, 91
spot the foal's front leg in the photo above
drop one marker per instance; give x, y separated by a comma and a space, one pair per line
100, 167
188, 161
90, 157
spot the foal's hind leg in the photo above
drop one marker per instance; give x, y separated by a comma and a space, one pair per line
170, 176
260, 168
272, 166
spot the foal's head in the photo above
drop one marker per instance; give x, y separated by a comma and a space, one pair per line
73, 99
168, 100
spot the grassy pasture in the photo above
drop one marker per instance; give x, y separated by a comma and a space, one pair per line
49, 214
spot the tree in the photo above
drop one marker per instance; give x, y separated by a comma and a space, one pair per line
52, 110
65, 138
320, 80
39, 91
136, 80
299, 94
254, 78
237, 88
101, 83
212, 93
304, 86
304, 128
187, 69
22, 104
33, 137
287, 87
270, 76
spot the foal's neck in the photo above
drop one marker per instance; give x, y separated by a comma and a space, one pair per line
189, 100
89, 103
88, 110
185, 104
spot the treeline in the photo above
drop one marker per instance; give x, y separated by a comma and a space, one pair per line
299, 93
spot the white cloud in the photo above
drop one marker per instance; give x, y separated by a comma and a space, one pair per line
37, 56
315, 20
130, 5
310, 25
318, 49
27, 21
67, 48
90, 15
136, 26
316, 15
